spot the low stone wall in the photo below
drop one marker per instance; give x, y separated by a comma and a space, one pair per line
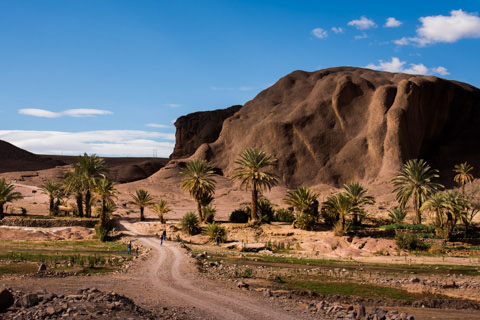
47, 223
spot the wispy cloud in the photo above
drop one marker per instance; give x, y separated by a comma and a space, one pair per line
448, 29
102, 142
337, 29
392, 23
361, 36
157, 125
363, 23
77, 113
396, 65
319, 33
173, 105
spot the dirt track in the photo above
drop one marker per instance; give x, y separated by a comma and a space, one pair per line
174, 278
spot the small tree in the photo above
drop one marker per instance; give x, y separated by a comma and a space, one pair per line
397, 214
359, 198
415, 181
304, 201
142, 199
341, 205
215, 230
161, 208
198, 181
53, 190
250, 171
190, 223
463, 175
7, 194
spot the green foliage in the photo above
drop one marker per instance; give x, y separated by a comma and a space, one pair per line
7, 194
357, 195
190, 223
409, 241
415, 182
340, 230
239, 216
399, 226
209, 213
102, 231
161, 208
305, 203
265, 211
142, 199
215, 230
250, 172
397, 214
283, 215
341, 206
305, 221
463, 174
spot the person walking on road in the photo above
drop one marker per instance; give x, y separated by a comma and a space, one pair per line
161, 240
164, 235
130, 247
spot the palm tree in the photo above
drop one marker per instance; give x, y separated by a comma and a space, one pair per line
341, 205
358, 196
90, 168
302, 199
463, 175
142, 199
198, 181
250, 172
435, 204
53, 190
74, 183
7, 195
415, 181
106, 191
161, 208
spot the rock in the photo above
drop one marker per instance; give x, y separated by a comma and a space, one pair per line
29, 300
42, 267
253, 247
410, 317
449, 284
6, 300
267, 293
414, 280
381, 314
242, 285
342, 124
360, 311
50, 311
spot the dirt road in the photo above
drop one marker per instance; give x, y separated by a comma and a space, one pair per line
173, 276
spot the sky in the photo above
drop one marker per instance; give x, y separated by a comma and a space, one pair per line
111, 77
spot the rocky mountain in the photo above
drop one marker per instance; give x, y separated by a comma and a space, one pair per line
343, 124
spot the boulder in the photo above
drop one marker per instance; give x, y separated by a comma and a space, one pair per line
29, 300
6, 300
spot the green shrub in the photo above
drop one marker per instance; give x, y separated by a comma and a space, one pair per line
265, 211
330, 217
190, 223
398, 226
215, 230
209, 213
284, 215
102, 232
305, 221
397, 214
239, 216
409, 241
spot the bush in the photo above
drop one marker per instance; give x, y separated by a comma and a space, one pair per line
239, 216
190, 223
330, 217
338, 231
209, 213
305, 221
284, 215
409, 241
215, 230
398, 226
397, 214
265, 211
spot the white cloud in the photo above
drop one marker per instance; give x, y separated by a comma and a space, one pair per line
245, 88
157, 125
77, 113
363, 23
434, 29
441, 71
337, 30
320, 33
361, 36
396, 65
102, 142
173, 105
392, 23
81, 113
39, 113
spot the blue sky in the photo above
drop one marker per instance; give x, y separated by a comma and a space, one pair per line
110, 76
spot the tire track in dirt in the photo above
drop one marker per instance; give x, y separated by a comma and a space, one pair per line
172, 275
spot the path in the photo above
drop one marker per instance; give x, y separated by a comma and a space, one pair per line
173, 276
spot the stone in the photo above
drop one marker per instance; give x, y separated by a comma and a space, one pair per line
360, 310
414, 280
267, 293
6, 300
242, 285
29, 300
42, 267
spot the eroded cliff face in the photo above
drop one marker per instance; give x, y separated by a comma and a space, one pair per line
343, 124
197, 128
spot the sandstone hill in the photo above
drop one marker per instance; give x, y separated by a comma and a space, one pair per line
341, 124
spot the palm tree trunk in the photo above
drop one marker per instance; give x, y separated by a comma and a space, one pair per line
417, 209
142, 218
88, 204
342, 221
200, 213
254, 203
51, 207
2, 214
55, 207
79, 204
